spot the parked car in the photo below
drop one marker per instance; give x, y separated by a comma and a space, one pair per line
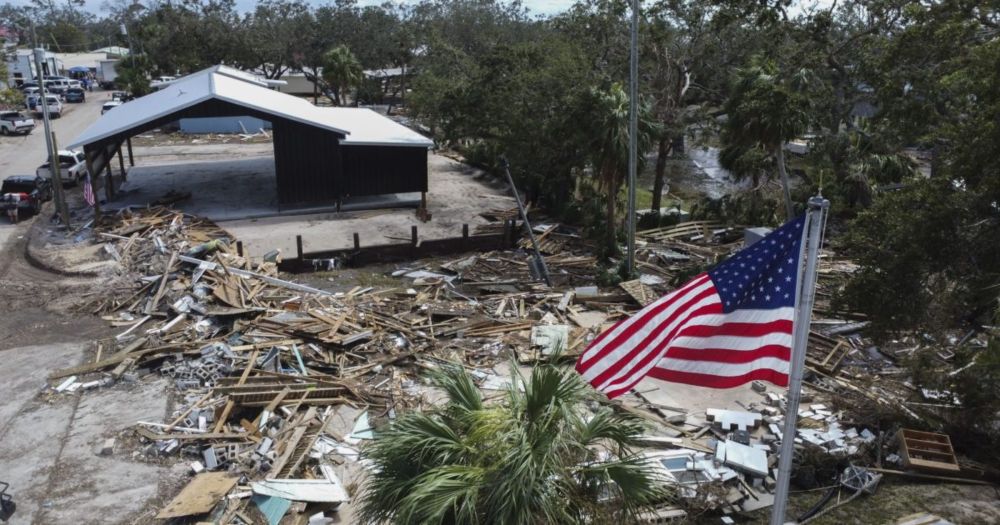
12, 122
31, 96
55, 106
26, 85
109, 105
72, 167
75, 94
56, 87
121, 96
26, 192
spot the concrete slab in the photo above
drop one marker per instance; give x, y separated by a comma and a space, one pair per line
234, 184
47, 445
696, 399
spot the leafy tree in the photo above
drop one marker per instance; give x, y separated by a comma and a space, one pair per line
342, 71
534, 457
272, 35
606, 114
134, 74
763, 112
929, 253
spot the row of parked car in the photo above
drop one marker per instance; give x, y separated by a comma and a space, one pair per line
27, 193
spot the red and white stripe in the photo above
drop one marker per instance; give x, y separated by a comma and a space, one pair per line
88, 191
686, 337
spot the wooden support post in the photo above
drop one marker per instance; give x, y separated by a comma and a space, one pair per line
121, 162
131, 159
357, 241
298, 247
109, 183
239, 248
465, 236
413, 235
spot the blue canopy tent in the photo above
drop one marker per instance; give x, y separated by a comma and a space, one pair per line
79, 69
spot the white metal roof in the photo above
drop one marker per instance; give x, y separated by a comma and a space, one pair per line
197, 88
367, 128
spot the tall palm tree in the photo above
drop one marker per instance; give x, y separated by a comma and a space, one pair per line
763, 111
341, 70
605, 121
534, 457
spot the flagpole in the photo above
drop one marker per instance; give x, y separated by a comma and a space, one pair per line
812, 232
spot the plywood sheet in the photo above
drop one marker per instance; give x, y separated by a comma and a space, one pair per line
200, 495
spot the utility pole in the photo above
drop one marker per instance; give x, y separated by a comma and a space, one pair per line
633, 129
56, 177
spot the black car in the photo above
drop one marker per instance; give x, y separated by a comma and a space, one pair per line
75, 94
37, 189
27, 85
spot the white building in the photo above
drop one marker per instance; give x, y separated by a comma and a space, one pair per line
21, 67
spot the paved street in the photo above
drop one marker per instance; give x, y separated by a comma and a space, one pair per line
21, 155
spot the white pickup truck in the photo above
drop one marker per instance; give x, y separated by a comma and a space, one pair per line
72, 167
13, 122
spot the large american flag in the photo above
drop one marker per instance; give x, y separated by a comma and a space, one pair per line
726, 327
88, 191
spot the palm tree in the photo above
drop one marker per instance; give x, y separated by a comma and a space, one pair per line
764, 112
341, 70
534, 457
605, 120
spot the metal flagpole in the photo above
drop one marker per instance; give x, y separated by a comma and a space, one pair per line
633, 128
806, 287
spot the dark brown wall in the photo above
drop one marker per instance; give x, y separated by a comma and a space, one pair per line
377, 170
307, 164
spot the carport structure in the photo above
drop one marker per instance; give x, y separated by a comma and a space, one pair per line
321, 155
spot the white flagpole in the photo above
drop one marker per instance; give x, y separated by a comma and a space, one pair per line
812, 232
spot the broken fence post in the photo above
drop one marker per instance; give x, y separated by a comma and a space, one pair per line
357, 241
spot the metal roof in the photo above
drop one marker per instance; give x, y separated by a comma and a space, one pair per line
199, 87
367, 128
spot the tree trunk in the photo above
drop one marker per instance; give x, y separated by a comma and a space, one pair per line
779, 156
612, 229
663, 150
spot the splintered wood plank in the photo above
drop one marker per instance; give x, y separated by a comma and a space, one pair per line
642, 293
200, 495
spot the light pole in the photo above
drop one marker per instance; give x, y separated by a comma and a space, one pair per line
633, 128
57, 188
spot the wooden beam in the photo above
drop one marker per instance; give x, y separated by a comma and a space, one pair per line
121, 162
131, 160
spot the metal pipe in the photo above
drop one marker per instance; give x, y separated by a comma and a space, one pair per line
539, 260
812, 232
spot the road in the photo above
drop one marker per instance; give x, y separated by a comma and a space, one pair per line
21, 155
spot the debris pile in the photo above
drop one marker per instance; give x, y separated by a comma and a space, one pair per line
277, 383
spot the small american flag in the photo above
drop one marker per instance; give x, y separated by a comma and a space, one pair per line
726, 327
88, 191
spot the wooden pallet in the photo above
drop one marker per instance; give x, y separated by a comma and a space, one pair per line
826, 353
927, 451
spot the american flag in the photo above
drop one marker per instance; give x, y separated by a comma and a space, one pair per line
88, 191
726, 327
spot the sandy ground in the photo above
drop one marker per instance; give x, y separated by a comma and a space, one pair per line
240, 195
